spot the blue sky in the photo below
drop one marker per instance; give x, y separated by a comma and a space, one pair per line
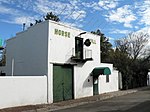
115, 18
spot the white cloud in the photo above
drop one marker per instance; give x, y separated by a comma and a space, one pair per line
102, 4
44, 6
6, 1
23, 5
25, 19
145, 29
20, 20
144, 11
75, 3
15, 16
64, 9
108, 4
136, 27
117, 31
19, 12
122, 15
78, 15
74, 24
111, 39
9, 11
92, 5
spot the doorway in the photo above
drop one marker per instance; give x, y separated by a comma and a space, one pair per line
62, 82
95, 85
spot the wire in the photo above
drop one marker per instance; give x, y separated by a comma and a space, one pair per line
69, 15
76, 18
62, 11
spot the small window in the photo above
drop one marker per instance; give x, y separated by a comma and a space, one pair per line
79, 47
107, 78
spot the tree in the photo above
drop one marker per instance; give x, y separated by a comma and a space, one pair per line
133, 44
129, 59
106, 46
37, 21
121, 61
51, 16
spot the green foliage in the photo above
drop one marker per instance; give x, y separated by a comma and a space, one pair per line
106, 46
127, 57
38, 21
51, 16
127, 60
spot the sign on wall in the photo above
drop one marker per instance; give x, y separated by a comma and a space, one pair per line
67, 34
62, 33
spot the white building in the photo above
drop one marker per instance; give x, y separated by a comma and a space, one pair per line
148, 78
69, 57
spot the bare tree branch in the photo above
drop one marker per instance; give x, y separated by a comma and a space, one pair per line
133, 44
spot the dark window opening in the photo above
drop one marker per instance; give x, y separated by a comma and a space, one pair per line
79, 48
107, 78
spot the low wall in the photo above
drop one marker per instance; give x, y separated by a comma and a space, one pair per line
23, 90
2, 71
110, 86
148, 78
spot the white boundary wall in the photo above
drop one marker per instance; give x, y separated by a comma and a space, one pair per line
24, 90
148, 78
105, 87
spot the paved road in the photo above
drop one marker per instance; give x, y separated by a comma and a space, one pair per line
136, 102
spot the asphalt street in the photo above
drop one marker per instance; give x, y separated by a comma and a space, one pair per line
135, 102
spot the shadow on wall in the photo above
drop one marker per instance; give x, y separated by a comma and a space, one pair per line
88, 82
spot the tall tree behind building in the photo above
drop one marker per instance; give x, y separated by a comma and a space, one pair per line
106, 46
51, 16
130, 59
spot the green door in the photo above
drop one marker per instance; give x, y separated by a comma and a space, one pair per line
62, 82
68, 83
57, 84
95, 85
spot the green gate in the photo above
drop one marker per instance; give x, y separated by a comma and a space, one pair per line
62, 82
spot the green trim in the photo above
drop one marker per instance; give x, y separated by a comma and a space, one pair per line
1, 42
101, 71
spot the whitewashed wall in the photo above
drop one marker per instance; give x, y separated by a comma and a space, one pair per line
27, 52
60, 52
110, 66
148, 78
2, 69
61, 47
110, 86
83, 82
34, 52
18, 91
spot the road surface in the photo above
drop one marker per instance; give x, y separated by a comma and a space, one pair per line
136, 102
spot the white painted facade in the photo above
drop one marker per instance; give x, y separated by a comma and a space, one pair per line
148, 78
108, 87
36, 50
27, 52
18, 91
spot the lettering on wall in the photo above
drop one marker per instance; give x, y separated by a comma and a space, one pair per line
67, 34
93, 41
62, 33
